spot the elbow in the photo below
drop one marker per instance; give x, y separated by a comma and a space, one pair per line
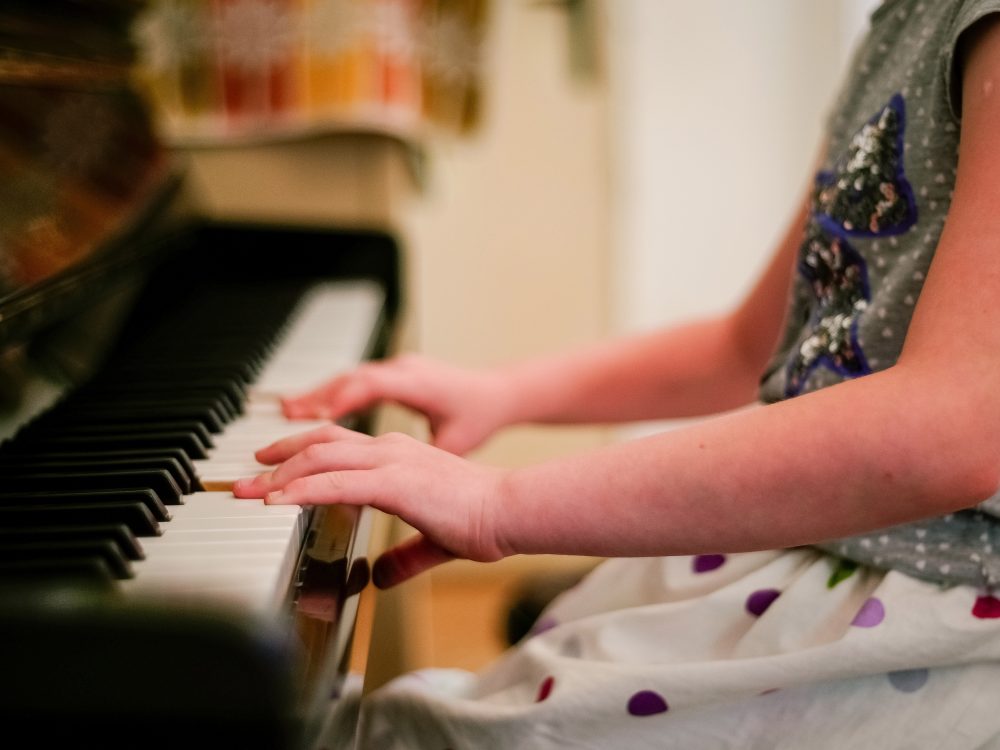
952, 442
980, 481
964, 457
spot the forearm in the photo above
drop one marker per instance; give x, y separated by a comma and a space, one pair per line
847, 459
690, 370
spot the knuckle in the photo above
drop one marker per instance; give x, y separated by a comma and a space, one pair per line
332, 481
313, 453
393, 438
407, 360
329, 432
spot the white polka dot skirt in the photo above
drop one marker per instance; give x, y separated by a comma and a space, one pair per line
770, 650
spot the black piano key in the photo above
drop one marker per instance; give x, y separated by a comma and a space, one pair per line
135, 516
176, 456
159, 481
242, 374
119, 533
186, 383
149, 412
41, 431
33, 464
184, 441
49, 551
144, 496
153, 398
91, 572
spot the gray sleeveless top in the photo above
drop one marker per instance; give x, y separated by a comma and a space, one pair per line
878, 208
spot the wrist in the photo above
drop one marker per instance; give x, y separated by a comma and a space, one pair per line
504, 513
525, 393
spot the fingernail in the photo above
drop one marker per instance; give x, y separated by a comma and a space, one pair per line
273, 497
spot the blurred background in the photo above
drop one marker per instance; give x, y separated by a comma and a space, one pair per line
556, 172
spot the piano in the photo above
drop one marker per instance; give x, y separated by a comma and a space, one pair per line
143, 348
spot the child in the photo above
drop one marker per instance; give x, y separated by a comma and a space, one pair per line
842, 559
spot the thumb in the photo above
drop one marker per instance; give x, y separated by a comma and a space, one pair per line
406, 560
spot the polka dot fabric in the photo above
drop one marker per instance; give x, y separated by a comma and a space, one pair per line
657, 652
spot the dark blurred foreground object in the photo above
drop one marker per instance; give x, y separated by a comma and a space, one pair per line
531, 597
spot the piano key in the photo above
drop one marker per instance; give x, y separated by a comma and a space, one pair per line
91, 572
101, 463
145, 496
134, 515
250, 523
225, 531
313, 349
184, 441
176, 456
142, 412
120, 534
18, 479
216, 402
224, 505
52, 551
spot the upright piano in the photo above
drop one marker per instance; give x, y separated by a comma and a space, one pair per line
143, 348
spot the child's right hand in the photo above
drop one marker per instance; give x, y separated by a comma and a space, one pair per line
463, 406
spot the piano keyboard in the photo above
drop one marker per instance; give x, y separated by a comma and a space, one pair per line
126, 480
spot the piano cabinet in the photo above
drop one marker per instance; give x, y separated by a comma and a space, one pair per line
232, 623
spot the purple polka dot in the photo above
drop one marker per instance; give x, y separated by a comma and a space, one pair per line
760, 600
908, 680
546, 623
705, 563
646, 703
871, 614
545, 688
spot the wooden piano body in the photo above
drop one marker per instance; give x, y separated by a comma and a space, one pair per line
100, 252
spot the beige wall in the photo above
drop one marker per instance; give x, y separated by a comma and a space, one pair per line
509, 240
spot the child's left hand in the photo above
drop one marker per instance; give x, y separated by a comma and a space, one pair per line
449, 499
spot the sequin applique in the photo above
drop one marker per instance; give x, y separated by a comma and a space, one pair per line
865, 195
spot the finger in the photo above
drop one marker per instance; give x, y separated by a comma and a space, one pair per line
349, 487
343, 395
319, 458
355, 392
282, 450
408, 559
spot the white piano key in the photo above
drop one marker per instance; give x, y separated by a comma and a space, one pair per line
223, 504
201, 534
165, 547
316, 347
236, 523
241, 551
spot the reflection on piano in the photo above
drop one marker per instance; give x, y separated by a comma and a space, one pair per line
142, 351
